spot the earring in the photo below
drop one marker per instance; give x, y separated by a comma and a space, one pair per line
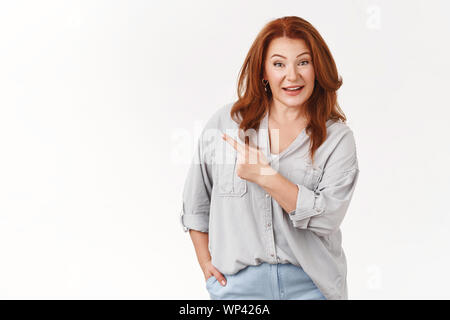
265, 84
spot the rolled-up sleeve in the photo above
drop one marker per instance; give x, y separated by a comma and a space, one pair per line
322, 210
197, 192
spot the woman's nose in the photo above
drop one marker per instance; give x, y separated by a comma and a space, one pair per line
292, 73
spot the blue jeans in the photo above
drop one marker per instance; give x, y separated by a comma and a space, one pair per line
265, 282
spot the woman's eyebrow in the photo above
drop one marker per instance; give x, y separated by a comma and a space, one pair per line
279, 55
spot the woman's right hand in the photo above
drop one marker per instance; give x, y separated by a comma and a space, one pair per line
210, 271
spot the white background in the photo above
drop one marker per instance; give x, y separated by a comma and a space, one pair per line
100, 106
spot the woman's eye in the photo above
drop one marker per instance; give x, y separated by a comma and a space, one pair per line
302, 63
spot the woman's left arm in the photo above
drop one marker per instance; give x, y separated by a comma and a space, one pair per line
321, 210
281, 189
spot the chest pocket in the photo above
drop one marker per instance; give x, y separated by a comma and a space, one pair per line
229, 184
304, 174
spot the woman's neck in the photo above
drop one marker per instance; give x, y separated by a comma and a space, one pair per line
282, 115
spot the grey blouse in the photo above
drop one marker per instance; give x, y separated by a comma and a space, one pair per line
247, 227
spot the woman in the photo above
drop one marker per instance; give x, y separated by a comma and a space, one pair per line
273, 175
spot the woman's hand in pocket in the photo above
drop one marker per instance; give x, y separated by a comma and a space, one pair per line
210, 271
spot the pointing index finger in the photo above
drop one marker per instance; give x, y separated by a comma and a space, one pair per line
236, 145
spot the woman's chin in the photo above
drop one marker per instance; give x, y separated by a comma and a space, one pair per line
292, 103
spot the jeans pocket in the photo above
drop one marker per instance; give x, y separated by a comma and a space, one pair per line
210, 281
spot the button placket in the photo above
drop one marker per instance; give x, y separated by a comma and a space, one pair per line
263, 137
269, 229
269, 213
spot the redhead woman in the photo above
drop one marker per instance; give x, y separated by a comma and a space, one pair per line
273, 175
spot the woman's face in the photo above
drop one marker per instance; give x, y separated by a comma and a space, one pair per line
289, 63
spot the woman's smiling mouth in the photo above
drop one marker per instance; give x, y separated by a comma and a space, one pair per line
293, 90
